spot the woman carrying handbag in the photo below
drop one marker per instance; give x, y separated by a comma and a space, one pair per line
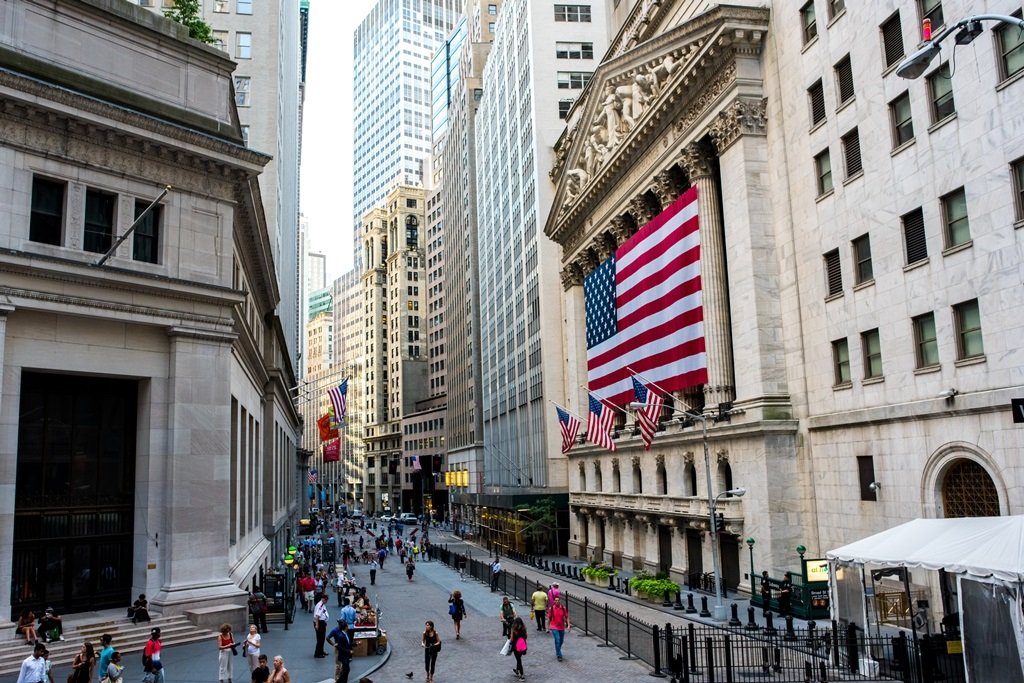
431, 643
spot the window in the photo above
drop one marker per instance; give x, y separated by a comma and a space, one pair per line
492, 10
823, 167
932, 9
892, 40
954, 216
967, 318
835, 7
851, 153
99, 221
841, 361
245, 135
244, 7
808, 23
833, 273
576, 13
410, 203
1017, 171
574, 80
490, 26
862, 257
925, 341
242, 95
902, 121
563, 108
220, 40
871, 346
47, 219
816, 96
913, 236
220, 6
243, 43
1011, 49
866, 474
844, 80
940, 84
146, 238
574, 50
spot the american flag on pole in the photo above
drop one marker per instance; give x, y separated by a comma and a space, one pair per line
570, 427
312, 476
339, 400
644, 308
599, 424
649, 415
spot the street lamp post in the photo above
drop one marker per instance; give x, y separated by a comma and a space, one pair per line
968, 29
750, 546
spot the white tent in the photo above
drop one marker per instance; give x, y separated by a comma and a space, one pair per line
980, 547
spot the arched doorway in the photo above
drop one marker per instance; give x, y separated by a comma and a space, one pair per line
968, 491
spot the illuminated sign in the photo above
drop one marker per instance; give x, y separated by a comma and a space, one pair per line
816, 570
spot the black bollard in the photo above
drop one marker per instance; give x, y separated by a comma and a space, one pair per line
808, 673
769, 624
611, 582
704, 612
734, 619
751, 624
656, 637
765, 661
546, 567
668, 647
679, 600
690, 609
666, 600
790, 634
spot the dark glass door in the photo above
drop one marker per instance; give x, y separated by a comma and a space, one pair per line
75, 493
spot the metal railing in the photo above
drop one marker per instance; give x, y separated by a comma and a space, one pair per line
777, 651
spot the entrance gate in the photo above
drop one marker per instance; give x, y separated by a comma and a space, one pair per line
75, 493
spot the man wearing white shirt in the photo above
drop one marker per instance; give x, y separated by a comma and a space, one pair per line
320, 617
33, 669
495, 573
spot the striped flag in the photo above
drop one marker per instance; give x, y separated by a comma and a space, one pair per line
599, 424
312, 476
339, 400
570, 427
644, 308
416, 465
649, 415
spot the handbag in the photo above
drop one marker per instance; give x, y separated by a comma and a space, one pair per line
452, 610
506, 649
521, 646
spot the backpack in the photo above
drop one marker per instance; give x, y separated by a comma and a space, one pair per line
521, 646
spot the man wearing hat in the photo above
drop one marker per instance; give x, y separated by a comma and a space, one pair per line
341, 640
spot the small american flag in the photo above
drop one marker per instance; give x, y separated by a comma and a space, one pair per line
312, 476
599, 425
649, 415
570, 427
339, 400
644, 308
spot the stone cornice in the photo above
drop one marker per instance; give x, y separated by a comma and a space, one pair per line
663, 87
641, 24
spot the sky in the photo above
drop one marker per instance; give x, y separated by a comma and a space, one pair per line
326, 191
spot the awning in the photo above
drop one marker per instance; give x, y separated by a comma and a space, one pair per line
981, 547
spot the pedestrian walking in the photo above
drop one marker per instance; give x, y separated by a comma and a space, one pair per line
115, 670
261, 674
410, 568
308, 591
553, 593
766, 594
279, 674
81, 665
507, 615
253, 641
558, 624
33, 668
540, 607
518, 640
152, 664
226, 647
320, 617
258, 609
341, 639
462, 567
786, 595
431, 643
373, 572
495, 573
457, 611
106, 652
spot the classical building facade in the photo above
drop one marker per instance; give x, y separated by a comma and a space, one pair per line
146, 426
857, 339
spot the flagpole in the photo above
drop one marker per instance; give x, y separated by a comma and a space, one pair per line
667, 394
566, 410
604, 401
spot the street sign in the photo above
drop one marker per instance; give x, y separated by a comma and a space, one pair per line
1017, 406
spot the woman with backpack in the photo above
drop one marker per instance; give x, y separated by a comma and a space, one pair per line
457, 611
518, 640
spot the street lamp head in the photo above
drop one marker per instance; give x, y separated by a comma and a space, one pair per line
916, 64
750, 541
737, 492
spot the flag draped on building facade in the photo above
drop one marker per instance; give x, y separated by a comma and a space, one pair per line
599, 424
570, 426
650, 413
644, 308
339, 400
332, 450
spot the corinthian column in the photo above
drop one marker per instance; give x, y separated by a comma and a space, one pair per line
696, 159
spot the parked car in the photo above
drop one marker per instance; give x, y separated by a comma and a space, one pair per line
356, 514
387, 519
408, 518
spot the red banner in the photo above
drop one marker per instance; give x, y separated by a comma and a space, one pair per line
327, 428
332, 450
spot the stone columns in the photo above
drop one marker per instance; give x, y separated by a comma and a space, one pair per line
9, 410
696, 159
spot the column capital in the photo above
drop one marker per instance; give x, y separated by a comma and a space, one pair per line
695, 159
619, 229
604, 246
742, 117
666, 187
572, 275
641, 209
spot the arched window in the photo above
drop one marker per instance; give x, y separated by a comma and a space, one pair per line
616, 480
724, 476
662, 481
583, 479
968, 491
598, 483
638, 482
690, 477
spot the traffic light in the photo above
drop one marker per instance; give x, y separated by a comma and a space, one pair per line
719, 522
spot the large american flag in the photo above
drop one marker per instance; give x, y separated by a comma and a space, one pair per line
339, 399
599, 424
644, 311
570, 427
648, 415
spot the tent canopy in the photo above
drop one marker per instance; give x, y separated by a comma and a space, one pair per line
976, 546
